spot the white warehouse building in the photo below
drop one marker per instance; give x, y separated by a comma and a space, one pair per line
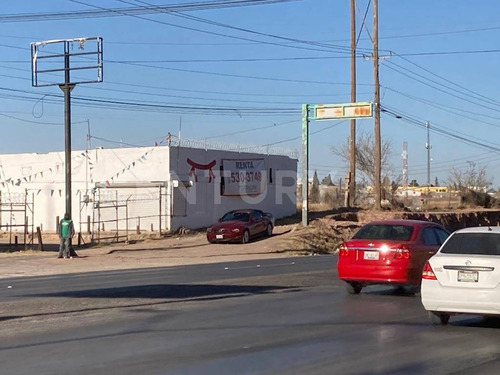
145, 188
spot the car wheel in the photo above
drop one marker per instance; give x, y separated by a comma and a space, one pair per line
439, 318
353, 288
269, 230
246, 236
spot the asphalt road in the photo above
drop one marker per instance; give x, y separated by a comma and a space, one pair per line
284, 316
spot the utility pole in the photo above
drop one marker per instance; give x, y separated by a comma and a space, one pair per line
352, 142
405, 164
38, 56
428, 147
305, 164
67, 87
376, 102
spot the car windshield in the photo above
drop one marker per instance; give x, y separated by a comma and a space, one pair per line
239, 216
384, 232
473, 243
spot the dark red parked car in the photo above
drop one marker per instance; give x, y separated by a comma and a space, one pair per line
389, 252
241, 226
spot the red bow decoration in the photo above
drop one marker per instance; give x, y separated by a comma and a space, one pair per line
195, 166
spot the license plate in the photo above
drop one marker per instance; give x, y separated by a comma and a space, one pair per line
468, 276
219, 236
371, 255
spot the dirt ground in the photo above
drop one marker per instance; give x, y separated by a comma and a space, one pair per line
289, 239
326, 231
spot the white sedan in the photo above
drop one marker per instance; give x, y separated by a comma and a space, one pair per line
463, 277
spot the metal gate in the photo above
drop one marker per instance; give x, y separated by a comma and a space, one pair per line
118, 213
17, 212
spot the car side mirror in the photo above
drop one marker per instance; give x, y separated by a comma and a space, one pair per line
219, 219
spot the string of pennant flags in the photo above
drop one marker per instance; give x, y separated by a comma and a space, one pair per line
108, 182
141, 159
31, 177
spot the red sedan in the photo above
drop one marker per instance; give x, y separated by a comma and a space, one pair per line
389, 252
241, 226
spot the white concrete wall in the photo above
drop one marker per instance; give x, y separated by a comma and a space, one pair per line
42, 176
204, 201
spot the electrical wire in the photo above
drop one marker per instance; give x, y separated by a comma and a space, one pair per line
267, 127
311, 133
82, 14
453, 134
465, 99
219, 24
324, 49
465, 89
447, 108
40, 122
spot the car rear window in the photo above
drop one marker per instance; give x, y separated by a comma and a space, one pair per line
240, 216
473, 243
384, 232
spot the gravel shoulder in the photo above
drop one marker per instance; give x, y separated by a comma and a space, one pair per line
170, 251
326, 231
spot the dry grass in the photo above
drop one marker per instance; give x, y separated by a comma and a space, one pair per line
322, 236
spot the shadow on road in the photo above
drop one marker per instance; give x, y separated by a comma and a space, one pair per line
391, 291
169, 293
175, 291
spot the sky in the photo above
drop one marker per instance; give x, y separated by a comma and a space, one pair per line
240, 74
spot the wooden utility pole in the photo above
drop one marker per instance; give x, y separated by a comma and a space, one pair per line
428, 147
376, 102
352, 140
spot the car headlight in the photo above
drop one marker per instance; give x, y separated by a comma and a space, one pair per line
236, 230
209, 229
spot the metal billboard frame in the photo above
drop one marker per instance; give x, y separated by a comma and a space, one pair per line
67, 54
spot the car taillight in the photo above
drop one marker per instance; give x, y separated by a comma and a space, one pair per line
428, 273
402, 252
343, 251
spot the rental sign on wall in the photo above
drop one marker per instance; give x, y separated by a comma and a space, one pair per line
243, 176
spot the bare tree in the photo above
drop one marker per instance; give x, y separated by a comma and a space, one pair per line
365, 161
473, 178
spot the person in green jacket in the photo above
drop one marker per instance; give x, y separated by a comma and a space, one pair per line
66, 231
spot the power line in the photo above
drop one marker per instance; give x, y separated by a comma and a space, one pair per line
253, 59
219, 24
311, 133
172, 8
250, 130
437, 88
228, 75
201, 109
465, 138
163, 88
490, 155
39, 122
447, 108
114, 142
277, 59
241, 75
128, 11
208, 32
451, 82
